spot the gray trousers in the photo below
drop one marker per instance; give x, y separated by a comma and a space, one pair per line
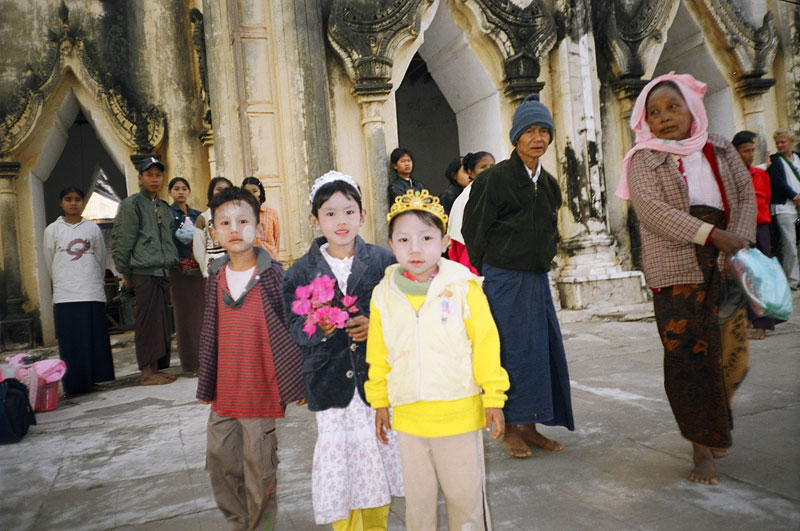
242, 460
788, 239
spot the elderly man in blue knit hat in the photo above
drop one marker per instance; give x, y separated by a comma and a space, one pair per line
511, 232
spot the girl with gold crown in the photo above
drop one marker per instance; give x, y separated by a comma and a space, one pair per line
434, 357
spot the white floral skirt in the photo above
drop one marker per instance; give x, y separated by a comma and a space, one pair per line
352, 468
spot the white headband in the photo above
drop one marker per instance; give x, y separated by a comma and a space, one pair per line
330, 177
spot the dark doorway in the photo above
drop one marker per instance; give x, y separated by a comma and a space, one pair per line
78, 165
426, 125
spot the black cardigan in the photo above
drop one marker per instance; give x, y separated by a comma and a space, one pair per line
334, 366
509, 221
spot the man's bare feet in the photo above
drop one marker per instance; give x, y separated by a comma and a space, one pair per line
704, 471
151, 376
719, 453
514, 444
531, 436
759, 333
168, 376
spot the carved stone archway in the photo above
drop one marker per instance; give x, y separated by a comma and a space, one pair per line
32, 135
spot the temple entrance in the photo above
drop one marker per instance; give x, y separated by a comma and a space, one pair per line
426, 125
447, 104
82, 163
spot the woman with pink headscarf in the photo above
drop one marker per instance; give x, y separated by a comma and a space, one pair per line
696, 207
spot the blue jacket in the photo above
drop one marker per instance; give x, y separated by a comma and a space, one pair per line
334, 366
178, 215
781, 191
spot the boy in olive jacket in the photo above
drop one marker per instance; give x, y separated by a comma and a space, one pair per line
144, 252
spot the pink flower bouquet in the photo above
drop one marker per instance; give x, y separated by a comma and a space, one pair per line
315, 302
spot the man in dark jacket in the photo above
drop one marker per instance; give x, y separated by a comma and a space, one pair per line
510, 229
784, 179
144, 252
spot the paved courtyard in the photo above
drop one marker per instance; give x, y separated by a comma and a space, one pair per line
132, 457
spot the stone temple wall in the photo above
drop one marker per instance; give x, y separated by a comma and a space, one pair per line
286, 90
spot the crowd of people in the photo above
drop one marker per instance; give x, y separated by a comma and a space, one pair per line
425, 354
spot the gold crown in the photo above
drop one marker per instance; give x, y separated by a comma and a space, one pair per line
414, 200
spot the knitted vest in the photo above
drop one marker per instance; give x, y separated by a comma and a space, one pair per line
428, 350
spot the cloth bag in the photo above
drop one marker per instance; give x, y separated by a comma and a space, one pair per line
16, 413
764, 283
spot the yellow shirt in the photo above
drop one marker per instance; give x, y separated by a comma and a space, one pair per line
451, 417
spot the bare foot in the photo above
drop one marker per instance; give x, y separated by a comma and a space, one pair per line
719, 453
168, 376
531, 436
514, 444
758, 334
704, 471
155, 379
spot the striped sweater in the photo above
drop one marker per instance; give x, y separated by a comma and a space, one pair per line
286, 354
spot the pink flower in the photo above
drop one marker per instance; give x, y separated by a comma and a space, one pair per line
323, 289
348, 301
304, 292
301, 306
309, 328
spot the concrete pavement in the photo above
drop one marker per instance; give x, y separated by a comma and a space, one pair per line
132, 457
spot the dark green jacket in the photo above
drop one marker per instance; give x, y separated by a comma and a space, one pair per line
142, 237
509, 221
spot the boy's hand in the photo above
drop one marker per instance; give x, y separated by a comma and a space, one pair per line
495, 414
206, 402
357, 328
327, 328
382, 424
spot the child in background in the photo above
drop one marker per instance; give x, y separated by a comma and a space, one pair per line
270, 239
457, 176
250, 367
204, 248
76, 259
403, 165
353, 476
434, 356
474, 164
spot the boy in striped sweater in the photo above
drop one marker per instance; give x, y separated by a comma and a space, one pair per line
250, 367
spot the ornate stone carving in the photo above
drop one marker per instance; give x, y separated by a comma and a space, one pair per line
199, 45
623, 30
141, 128
366, 33
752, 49
524, 36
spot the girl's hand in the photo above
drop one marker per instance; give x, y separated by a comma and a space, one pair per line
383, 425
495, 414
327, 328
357, 328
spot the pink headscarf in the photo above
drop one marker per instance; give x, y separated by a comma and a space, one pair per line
692, 91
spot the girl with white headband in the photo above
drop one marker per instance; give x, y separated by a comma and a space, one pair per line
353, 475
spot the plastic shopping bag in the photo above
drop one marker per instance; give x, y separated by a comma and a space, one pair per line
764, 283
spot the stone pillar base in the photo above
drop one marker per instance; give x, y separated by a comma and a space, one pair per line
610, 289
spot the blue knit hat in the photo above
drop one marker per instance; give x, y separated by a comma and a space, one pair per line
530, 112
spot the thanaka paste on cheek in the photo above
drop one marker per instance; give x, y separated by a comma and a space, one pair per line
249, 234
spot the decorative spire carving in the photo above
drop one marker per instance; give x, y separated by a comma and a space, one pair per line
366, 33
524, 36
140, 128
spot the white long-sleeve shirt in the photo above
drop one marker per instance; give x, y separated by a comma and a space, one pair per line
76, 258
